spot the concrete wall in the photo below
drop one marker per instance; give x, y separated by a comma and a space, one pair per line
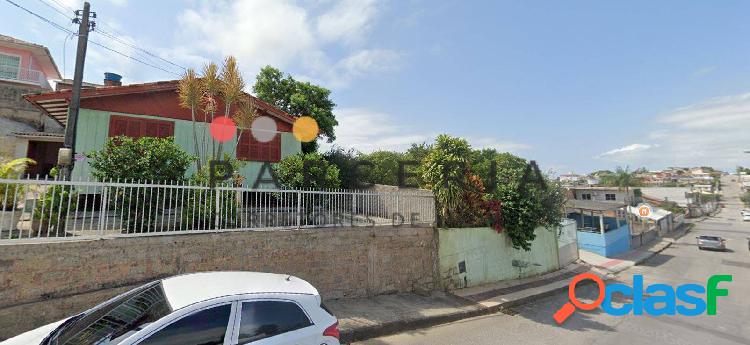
610, 244
490, 257
44, 282
93, 131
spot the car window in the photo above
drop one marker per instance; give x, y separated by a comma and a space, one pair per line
115, 320
263, 319
206, 327
710, 238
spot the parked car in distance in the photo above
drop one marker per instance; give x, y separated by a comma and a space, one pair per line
209, 308
711, 242
746, 215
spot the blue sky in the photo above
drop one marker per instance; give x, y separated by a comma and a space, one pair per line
575, 85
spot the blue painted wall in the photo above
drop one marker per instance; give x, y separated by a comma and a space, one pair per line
612, 243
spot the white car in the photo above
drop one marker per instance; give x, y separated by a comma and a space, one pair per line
208, 308
746, 215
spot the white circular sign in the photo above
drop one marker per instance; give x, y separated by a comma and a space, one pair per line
263, 129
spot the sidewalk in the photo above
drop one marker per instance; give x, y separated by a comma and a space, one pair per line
633, 257
365, 318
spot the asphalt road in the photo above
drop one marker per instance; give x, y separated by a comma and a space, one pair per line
679, 264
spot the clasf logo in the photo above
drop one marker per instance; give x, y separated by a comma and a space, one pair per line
660, 299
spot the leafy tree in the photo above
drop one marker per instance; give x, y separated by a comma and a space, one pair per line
384, 169
446, 173
299, 99
307, 170
481, 164
527, 202
346, 161
417, 153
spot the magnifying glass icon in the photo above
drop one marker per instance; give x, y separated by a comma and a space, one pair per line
568, 308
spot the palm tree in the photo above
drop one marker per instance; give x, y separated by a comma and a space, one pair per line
231, 86
244, 116
189, 90
210, 85
622, 178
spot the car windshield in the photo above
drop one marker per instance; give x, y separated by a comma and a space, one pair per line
710, 238
115, 320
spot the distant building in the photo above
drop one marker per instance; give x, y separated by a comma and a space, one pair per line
25, 131
605, 194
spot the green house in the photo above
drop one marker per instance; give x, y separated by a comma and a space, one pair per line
153, 110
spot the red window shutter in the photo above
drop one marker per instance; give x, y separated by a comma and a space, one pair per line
150, 128
164, 129
134, 129
117, 126
243, 146
275, 149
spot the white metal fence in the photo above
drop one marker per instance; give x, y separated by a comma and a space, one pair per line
35, 209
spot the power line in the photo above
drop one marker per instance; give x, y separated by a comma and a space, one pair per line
104, 33
63, 6
131, 57
56, 10
61, 28
58, 26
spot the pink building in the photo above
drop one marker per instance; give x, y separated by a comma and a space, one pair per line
24, 130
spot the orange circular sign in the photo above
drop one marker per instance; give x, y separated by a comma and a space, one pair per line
644, 211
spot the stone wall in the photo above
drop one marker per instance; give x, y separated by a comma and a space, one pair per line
44, 282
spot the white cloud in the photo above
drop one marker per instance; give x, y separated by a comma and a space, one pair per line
704, 71
629, 149
499, 145
710, 133
348, 21
367, 131
327, 47
256, 32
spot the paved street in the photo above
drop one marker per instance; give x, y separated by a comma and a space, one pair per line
679, 264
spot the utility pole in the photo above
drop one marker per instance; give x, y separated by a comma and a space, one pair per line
66, 157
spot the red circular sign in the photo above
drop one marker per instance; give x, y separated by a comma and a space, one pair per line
223, 129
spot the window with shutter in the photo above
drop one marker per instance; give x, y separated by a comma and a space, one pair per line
136, 127
250, 149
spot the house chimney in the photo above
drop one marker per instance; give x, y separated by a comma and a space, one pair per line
112, 79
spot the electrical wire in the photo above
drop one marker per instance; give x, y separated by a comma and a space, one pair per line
111, 36
61, 28
131, 57
67, 16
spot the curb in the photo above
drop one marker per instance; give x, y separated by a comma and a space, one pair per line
394, 327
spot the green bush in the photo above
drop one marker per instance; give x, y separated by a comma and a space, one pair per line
200, 209
746, 199
319, 175
446, 172
521, 201
346, 161
157, 160
52, 207
12, 170
145, 159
